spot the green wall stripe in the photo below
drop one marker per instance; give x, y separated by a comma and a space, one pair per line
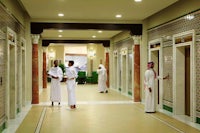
130, 93
198, 120
18, 110
170, 109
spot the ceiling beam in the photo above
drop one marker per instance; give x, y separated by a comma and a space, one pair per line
105, 43
38, 27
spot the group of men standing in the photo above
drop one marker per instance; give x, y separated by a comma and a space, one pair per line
56, 75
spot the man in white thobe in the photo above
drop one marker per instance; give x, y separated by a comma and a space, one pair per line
150, 102
71, 85
56, 75
150, 92
102, 78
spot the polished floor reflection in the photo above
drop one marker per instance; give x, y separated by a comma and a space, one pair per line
97, 113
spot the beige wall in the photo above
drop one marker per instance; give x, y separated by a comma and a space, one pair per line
59, 54
99, 51
121, 36
28, 59
143, 57
182, 7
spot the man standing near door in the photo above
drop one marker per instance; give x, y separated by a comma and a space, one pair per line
150, 92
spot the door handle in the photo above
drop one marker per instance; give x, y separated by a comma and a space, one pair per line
1, 81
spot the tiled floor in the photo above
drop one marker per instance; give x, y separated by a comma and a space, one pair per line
96, 113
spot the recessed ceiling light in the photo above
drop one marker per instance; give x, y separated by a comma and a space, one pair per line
60, 14
94, 36
189, 17
100, 31
60, 30
59, 35
138, 0
118, 16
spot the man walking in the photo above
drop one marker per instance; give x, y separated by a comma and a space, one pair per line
102, 77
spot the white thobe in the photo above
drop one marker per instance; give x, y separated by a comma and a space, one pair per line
71, 85
102, 77
55, 91
150, 100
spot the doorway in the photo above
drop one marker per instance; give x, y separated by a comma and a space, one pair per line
183, 80
124, 71
155, 59
115, 83
12, 81
130, 74
123, 76
184, 94
19, 77
155, 55
23, 77
187, 81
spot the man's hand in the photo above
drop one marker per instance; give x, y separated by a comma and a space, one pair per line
150, 89
54, 77
167, 77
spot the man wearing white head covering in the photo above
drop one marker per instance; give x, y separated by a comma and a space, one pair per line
150, 92
102, 77
56, 75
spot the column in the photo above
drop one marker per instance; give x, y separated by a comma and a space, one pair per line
44, 70
35, 69
107, 66
136, 49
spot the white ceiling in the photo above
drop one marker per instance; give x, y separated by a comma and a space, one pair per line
79, 34
92, 11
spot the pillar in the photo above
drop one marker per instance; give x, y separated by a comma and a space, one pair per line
44, 70
107, 66
136, 52
35, 69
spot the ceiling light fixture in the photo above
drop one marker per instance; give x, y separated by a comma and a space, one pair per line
189, 17
94, 36
138, 0
60, 14
118, 16
60, 30
100, 31
59, 35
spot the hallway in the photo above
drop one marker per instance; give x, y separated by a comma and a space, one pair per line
96, 113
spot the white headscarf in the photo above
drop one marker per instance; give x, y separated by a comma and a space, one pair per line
103, 71
102, 67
